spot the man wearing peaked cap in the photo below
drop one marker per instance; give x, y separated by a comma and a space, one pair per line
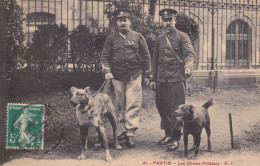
124, 55
167, 13
122, 13
172, 64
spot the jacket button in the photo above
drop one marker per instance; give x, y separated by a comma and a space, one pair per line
126, 55
126, 63
126, 48
166, 49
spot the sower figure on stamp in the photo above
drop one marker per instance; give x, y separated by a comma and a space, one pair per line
124, 53
172, 62
25, 136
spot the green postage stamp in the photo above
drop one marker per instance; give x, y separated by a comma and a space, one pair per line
24, 126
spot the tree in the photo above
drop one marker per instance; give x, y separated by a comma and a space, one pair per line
12, 38
187, 25
81, 43
48, 49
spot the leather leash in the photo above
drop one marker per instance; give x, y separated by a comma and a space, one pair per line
100, 88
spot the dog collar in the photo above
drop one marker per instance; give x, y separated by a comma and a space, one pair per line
88, 108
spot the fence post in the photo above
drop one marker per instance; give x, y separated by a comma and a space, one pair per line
212, 43
231, 131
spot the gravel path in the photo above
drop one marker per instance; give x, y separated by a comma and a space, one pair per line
243, 104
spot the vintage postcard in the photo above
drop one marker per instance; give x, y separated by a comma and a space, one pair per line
130, 82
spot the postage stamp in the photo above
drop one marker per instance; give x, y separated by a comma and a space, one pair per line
24, 126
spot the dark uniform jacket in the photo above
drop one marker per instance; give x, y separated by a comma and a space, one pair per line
165, 65
119, 57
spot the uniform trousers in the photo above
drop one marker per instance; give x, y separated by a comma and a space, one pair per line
168, 97
128, 103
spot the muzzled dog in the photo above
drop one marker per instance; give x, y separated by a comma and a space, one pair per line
195, 119
89, 112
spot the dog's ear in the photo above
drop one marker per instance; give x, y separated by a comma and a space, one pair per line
191, 109
72, 89
87, 90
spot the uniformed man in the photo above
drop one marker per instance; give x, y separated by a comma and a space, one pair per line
124, 53
172, 62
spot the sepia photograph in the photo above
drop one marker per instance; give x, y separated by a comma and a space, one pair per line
129, 82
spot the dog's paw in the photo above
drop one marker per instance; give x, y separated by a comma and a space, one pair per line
118, 147
81, 157
109, 158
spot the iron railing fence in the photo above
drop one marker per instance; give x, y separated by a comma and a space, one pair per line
229, 29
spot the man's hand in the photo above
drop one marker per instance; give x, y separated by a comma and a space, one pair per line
187, 72
152, 85
146, 81
109, 76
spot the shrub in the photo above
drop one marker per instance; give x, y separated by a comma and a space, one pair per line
28, 81
48, 51
11, 39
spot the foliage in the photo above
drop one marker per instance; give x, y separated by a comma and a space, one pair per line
28, 81
11, 34
86, 43
11, 37
187, 25
81, 45
48, 50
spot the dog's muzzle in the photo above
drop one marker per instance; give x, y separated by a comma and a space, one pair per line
73, 104
178, 116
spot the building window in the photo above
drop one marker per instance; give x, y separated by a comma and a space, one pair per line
37, 18
238, 44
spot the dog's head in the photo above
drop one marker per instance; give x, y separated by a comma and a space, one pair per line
79, 97
184, 112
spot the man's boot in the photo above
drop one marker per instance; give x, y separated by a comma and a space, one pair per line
166, 140
174, 146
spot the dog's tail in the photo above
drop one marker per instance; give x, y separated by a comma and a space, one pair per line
208, 103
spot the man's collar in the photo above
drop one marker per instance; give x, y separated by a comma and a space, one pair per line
170, 30
125, 31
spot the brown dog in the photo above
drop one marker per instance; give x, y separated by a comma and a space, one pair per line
195, 119
89, 112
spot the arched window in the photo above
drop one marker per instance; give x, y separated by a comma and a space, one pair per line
238, 44
38, 18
